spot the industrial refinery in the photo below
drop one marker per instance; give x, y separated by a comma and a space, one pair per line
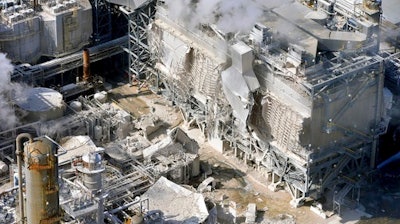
199, 111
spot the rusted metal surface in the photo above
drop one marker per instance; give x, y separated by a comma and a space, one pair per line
86, 65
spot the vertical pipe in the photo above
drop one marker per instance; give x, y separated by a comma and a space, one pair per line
378, 114
86, 65
19, 153
35, 4
100, 210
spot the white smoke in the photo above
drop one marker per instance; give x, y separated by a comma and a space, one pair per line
8, 119
228, 15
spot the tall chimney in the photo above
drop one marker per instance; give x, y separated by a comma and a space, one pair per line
86, 65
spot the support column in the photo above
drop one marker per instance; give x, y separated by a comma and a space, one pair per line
138, 49
102, 30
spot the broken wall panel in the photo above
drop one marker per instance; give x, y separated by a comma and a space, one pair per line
286, 125
196, 68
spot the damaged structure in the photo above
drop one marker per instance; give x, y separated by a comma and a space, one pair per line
299, 90
287, 95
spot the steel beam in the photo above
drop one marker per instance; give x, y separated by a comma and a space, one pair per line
139, 58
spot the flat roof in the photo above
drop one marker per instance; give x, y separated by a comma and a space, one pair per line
390, 10
76, 146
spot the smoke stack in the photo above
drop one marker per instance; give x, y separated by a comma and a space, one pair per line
86, 65
35, 5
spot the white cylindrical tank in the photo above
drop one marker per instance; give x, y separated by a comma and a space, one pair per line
98, 132
40, 104
76, 105
41, 181
101, 97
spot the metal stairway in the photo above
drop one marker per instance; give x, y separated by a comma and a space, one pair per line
332, 175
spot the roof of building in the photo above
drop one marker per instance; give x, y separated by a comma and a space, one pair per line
176, 202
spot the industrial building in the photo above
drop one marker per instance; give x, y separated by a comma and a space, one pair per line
301, 91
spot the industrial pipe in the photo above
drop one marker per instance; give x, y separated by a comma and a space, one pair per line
390, 160
64, 151
86, 65
125, 206
19, 153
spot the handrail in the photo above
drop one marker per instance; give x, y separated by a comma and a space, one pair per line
64, 151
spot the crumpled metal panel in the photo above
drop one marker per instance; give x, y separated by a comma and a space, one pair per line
239, 80
178, 204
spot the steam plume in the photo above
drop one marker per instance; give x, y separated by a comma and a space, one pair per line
8, 119
228, 15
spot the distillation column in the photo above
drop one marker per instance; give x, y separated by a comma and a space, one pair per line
41, 181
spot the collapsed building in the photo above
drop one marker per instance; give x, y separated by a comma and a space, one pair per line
299, 90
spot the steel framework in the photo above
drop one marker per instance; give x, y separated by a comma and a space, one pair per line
102, 30
138, 49
307, 171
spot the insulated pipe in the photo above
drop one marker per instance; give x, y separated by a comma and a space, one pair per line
388, 161
86, 65
125, 206
19, 153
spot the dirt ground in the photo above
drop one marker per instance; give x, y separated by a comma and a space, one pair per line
235, 181
144, 102
130, 99
244, 185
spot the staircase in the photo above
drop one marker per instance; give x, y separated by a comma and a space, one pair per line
340, 198
328, 179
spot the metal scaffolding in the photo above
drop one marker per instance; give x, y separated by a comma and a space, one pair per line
102, 30
303, 130
138, 49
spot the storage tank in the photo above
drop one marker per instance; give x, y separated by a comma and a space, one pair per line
76, 106
41, 181
101, 97
20, 34
98, 133
39, 104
